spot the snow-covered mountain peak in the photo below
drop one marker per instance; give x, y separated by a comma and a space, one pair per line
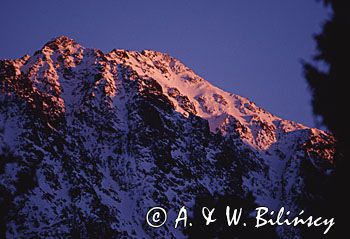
62, 43
63, 59
190, 93
90, 140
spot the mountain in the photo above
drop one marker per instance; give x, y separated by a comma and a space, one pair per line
91, 140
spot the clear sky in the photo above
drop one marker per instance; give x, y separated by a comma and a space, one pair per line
248, 47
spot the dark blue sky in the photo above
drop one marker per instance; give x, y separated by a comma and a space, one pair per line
251, 48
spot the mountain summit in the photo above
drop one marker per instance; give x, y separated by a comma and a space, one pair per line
91, 140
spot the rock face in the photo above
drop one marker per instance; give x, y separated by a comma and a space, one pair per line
90, 141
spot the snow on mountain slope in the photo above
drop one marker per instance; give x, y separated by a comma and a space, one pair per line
89, 141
